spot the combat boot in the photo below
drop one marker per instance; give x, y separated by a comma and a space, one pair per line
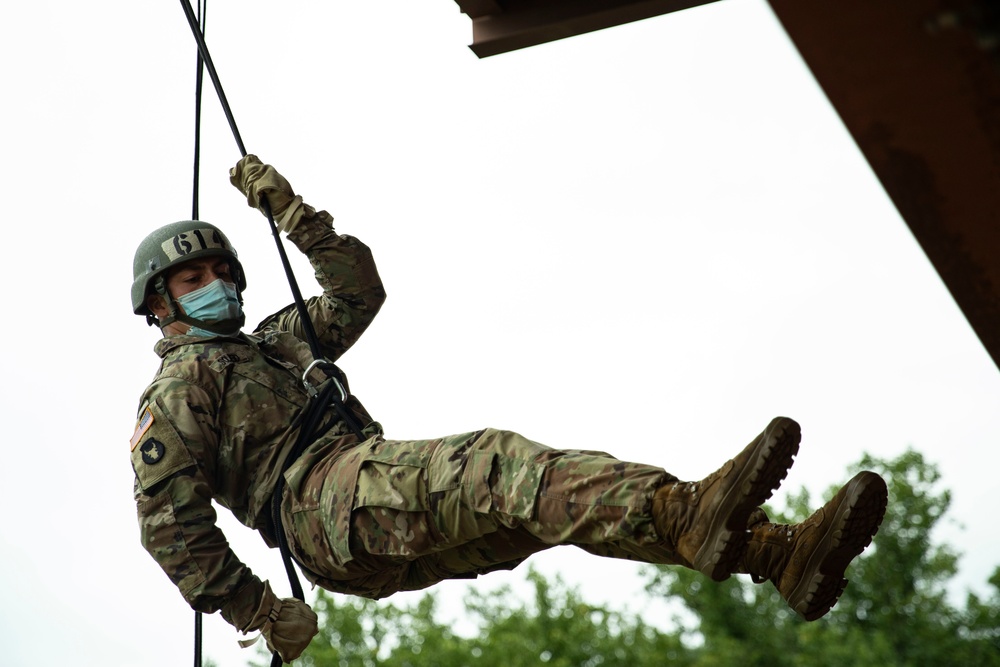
705, 523
806, 561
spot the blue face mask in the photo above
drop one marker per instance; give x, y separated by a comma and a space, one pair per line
216, 302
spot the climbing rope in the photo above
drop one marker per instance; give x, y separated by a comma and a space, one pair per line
300, 305
199, 78
333, 394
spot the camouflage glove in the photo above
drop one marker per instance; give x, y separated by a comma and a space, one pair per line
257, 180
287, 625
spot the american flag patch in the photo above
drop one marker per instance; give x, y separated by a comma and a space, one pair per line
141, 427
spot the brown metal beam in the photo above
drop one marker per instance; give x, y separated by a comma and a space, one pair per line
917, 83
499, 26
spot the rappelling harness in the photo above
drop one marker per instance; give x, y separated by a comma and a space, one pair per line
332, 392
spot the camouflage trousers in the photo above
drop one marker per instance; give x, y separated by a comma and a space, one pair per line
387, 516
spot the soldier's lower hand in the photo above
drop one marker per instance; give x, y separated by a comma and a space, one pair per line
257, 180
292, 631
287, 625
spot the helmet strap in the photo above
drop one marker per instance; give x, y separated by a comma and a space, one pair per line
173, 312
221, 328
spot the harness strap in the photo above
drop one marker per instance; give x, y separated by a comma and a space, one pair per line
333, 394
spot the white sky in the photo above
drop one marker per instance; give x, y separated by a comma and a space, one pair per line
648, 240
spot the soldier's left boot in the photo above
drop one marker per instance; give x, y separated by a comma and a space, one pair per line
705, 523
807, 561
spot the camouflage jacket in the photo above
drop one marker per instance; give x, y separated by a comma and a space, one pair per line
221, 415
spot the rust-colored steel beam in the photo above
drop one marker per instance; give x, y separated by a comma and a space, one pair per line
917, 83
499, 26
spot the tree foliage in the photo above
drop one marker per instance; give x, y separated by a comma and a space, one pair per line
894, 613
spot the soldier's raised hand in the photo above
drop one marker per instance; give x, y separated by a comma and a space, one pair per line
257, 180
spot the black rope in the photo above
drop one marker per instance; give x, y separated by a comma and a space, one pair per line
199, 78
197, 639
265, 204
203, 50
330, 393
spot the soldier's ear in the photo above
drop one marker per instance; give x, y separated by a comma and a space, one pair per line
158, 305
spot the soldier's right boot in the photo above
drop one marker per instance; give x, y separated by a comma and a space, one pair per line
807, 561
705, 523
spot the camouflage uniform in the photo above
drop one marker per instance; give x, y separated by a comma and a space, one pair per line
364, 517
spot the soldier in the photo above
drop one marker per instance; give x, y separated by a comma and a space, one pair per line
368, 516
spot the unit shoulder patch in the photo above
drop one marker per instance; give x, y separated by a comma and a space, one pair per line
152, 451
160, 450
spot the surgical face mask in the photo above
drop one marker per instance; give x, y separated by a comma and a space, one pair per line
217, 301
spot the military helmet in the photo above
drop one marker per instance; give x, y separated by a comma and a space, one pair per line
175, 244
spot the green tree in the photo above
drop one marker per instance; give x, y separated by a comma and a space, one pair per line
980, 625
557, 627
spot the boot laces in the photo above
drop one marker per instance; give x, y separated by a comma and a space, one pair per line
771, 550
779, 529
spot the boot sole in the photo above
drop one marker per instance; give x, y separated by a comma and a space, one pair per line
726, 542
856, 521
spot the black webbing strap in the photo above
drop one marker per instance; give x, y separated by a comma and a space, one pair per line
332, 393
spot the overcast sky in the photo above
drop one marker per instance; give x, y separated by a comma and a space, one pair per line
648, 241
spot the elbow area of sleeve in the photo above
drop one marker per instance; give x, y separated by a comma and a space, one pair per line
163, 538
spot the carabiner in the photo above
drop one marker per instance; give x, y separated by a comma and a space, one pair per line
333, 378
